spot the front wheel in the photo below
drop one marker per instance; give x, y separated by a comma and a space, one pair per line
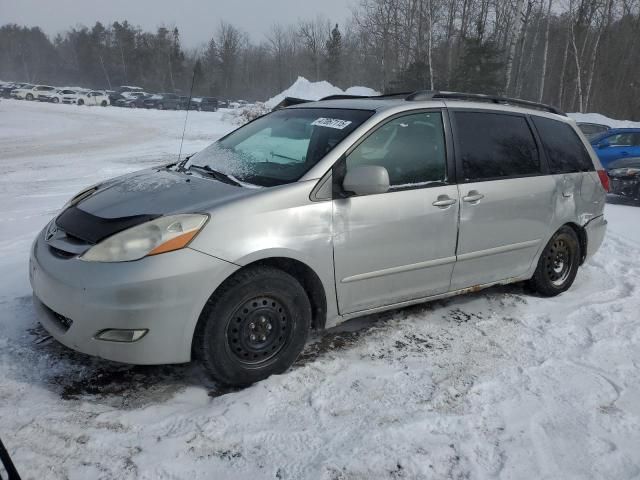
254, 326
56, 100
29, 97
80, 102
104, 103
558, 265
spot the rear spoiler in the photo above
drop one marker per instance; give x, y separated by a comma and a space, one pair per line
288, 101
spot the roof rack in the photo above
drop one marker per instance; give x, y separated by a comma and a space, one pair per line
430, 95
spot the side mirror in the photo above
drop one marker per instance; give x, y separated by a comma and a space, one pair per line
366, 180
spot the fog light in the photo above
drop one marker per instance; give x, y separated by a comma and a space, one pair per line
113, 335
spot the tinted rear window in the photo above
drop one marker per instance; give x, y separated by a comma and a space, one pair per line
494, 146
565, 151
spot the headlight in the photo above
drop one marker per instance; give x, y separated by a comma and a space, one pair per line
164, 234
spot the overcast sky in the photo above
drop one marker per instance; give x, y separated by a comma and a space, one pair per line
196, 19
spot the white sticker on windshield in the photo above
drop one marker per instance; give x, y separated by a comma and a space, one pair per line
332, 123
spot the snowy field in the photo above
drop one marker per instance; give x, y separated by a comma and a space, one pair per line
494, 385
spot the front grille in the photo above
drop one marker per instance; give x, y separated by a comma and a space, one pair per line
61, 253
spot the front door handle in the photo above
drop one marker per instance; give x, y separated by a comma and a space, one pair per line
444, 201
473, 197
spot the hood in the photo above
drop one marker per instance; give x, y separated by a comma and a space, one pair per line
136, 198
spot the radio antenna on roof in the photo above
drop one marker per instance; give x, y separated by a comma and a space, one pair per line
196, 68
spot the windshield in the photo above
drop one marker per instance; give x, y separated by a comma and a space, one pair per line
280, 147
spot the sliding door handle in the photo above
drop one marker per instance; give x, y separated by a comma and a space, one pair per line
473, 197
444, 201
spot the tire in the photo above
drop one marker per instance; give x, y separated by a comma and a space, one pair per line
255, 325
56, 100
558, 264
29, 97
80, 102
104, 103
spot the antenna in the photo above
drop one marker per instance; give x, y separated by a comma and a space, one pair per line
196, 68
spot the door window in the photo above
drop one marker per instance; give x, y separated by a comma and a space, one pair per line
565, 151
411, 148
491, 146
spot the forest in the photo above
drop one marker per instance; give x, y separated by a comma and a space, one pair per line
580, 55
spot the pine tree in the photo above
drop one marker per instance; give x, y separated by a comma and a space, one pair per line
334, 56
480, 68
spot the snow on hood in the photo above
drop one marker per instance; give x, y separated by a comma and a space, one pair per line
303, 88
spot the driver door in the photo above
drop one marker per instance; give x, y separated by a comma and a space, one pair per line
400, 245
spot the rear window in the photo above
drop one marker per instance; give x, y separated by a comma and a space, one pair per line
494, 146
565, 151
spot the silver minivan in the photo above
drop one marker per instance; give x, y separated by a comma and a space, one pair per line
314, 214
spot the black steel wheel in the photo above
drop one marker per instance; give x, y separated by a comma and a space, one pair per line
258, 330
254, 325
558, 264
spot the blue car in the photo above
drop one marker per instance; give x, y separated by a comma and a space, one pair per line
615, 144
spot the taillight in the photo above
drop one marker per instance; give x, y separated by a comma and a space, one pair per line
604, 179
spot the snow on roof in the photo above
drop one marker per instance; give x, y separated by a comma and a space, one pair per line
304, 89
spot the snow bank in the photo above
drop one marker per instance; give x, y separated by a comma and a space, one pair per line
303, 88
601, 119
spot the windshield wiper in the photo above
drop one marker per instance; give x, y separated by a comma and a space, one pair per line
221, 177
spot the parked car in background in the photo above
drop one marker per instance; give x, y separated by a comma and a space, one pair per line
617, 143
43, 93
25, 92
135, 100
184, 102
121, 91
204, 104
7, 87
93, 98
192, 261
65, 96
223, 104
163, 101
624, 177
592, 130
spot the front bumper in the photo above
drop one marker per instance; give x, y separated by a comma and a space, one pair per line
164, 294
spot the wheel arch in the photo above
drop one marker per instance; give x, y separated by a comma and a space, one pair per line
309, 280
582, 238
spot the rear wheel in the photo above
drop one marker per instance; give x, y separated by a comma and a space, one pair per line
254, 326
104, 103
558, 265
56, 100
80, 102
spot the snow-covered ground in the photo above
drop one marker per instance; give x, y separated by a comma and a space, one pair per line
497, 384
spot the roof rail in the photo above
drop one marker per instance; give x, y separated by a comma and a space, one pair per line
430, 95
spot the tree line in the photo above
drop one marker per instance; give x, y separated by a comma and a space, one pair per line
581, 55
